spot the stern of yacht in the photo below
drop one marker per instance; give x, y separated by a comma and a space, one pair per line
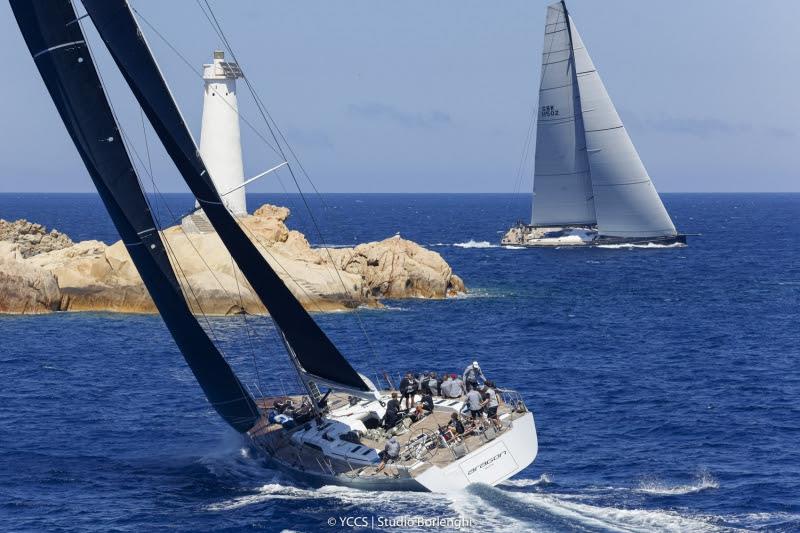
343, 446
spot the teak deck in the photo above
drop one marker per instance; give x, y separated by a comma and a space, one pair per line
276, 440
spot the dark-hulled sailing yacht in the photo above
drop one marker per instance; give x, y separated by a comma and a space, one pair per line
590, 186
338, 442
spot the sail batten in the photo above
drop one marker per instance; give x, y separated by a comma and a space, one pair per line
120, 32
65, 64
626, 202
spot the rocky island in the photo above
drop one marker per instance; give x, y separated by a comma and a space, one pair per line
43, 271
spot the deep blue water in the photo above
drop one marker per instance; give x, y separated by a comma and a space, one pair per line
665, 382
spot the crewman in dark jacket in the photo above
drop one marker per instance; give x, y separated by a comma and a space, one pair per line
408, 388
392, 415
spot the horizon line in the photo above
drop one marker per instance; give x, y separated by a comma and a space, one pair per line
402, 192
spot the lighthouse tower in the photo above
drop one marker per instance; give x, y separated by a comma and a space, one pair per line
220, 138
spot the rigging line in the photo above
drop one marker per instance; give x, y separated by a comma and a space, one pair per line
259, 104
264, 113
246, 324
168, 43
524, 158
199, 74
526, 149
158, 193
149, 167
165, 242
255, 130
236, 278
146, 144
351, 298
212, 20
247, 122
176, 260
254, 237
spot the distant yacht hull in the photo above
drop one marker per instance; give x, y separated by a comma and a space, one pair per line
526, 236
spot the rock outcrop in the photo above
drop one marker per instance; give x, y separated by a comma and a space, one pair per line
32, 238
25, 288
42, 272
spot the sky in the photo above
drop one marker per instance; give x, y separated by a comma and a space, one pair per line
420, 96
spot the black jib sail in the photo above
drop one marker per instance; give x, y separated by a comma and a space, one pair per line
58, 47
120, 32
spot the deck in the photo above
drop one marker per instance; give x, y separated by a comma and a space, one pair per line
421, 447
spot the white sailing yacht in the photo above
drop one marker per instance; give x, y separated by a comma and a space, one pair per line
336, 437
590, 186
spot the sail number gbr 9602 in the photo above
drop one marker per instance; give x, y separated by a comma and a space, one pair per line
549, 111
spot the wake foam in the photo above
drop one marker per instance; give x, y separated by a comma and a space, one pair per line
320, 246
369, 500
517, 505
479, 292
544, 479
388, 504
472, 243
270, 491
476, 244
382, 308
557, 512
704, 481
489, 508
334, 500
649, 245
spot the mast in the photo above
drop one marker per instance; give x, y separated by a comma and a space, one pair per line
58, 47
625, 200
318, 356
562, 185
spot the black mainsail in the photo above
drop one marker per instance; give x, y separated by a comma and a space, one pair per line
318, 356
58, 47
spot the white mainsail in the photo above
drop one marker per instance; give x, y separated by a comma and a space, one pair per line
587, 169
562, 186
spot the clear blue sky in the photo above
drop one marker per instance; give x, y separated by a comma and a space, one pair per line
420, 96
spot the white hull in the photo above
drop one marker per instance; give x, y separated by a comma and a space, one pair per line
495, 462
315, 454
526, 236
548, 237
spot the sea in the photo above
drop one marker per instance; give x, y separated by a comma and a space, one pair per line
664, 382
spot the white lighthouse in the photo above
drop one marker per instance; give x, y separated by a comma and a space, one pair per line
220, 137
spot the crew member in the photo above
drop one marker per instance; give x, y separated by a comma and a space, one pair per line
391, 451
408, 388
492, 400
475, 405
392, 415
471, 375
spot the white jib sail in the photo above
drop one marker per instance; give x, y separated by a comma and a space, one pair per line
626, 203
561, 184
